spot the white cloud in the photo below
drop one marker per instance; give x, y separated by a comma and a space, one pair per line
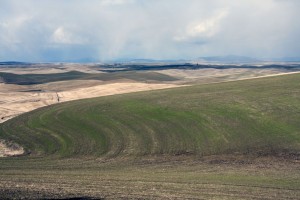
62, 36
10, 29
204, 28
115, 2
208, 27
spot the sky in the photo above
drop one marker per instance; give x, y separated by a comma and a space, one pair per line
106, 30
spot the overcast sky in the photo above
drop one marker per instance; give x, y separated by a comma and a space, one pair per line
62, 30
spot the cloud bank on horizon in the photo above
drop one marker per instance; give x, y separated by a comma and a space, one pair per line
62, 30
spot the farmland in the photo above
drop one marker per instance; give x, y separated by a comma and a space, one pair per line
231, 140
27, 86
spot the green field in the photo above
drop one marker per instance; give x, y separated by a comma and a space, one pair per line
234, 140
30, 79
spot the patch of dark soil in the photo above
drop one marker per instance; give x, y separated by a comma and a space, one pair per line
35, 90
223, 161
25, 194
77, 198
282, 154
181, 153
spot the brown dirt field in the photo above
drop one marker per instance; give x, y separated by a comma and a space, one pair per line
182, 177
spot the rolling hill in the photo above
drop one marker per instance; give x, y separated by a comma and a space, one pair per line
155, 144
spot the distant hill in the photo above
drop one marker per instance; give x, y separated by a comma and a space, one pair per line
286, 59
13, 63
145, 60
229, 59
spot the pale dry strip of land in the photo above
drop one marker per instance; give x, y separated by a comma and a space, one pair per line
14, 103
209, 75
110, 89
50, 68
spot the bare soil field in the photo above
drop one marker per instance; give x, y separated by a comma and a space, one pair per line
184, 178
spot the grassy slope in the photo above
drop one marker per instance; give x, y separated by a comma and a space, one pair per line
252, 117
245, 117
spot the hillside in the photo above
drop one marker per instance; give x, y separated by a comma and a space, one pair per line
251, 119
245, 117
